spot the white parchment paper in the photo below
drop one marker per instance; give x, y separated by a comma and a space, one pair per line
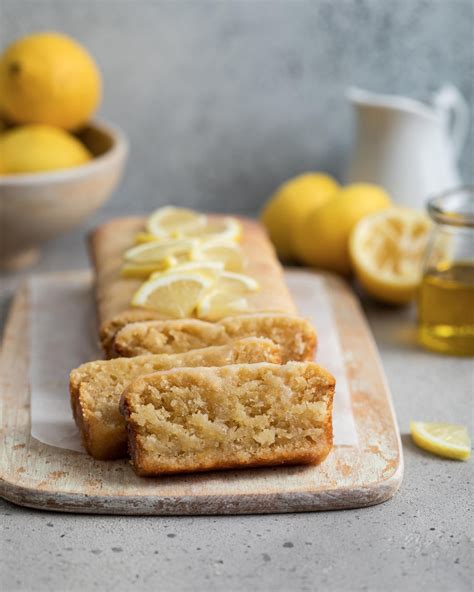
63, 335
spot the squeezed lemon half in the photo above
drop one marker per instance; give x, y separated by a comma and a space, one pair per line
387, 250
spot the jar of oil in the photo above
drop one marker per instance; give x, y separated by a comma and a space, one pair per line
446, 296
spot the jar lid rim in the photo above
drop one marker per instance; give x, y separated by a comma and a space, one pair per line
454, 207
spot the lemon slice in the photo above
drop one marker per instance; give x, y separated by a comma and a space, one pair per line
225, 229
146, 237
170, 221
174, 296
227, 253
227, 296
443, 439
157, 252
144, 270
211, 269
387, 250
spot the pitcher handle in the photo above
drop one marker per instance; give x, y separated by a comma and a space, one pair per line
453, 109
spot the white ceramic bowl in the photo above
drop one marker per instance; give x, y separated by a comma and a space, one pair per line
37, 207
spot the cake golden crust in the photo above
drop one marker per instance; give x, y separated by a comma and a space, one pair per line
296, 336
113, 292
247, 415
96, 388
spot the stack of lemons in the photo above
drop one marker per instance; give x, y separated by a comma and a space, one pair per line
193, 265
49, 87
313, 220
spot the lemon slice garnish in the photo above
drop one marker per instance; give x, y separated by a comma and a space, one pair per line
211, 269
156, 252
228, 253
144, 270
227, 296
170, 221
172, 295
225, 229
146, 237
387, 250
443, 439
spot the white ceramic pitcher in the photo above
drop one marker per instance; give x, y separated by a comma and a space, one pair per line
406, 146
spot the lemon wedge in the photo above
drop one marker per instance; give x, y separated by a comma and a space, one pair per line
170, 221
225, 229
172, 295
157, 252
227, 296
144, 270
225, 252
146, 237
387, 250
211, 269
442, 439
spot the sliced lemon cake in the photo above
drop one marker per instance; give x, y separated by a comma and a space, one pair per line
111, 242
295, 336
199, 419
96, 387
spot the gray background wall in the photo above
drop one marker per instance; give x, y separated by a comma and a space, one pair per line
223, 100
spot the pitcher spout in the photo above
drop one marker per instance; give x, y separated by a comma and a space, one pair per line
361, 98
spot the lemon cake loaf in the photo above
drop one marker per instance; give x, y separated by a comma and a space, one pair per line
114, 293
199, 419
96, 387
295, 336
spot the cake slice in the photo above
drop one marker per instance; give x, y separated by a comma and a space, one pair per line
96, 387
200, 419
295, 336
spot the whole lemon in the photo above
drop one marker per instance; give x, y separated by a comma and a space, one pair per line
35, 148
325, 233
290, 205
48, 78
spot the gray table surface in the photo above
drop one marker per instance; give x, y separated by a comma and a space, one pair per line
422, 537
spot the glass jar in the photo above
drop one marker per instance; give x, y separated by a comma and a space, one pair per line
446, 296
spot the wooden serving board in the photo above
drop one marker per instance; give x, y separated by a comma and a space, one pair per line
41, 476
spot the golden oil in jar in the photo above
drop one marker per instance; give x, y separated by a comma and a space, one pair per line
446, 308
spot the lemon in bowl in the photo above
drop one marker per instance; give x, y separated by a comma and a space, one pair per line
49, 78
37, 147
38, 206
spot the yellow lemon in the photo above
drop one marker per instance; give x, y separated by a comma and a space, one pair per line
387, 250
36, 148
291, 204
49, 78
325, 233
